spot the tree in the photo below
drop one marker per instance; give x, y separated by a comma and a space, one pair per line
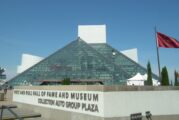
2, 76
176, 81
149, 74
66, 81
164, 75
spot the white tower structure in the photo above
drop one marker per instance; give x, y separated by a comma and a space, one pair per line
28, 61
92, 33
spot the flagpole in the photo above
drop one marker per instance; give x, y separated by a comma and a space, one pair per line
158, 59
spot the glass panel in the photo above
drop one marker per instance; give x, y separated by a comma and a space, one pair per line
81, 61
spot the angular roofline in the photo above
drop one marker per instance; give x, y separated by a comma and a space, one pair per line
42, 60
98, 53
132, 61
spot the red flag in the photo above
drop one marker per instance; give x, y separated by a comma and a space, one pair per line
166, 41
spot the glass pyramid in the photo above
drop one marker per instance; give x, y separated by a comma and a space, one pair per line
81, 61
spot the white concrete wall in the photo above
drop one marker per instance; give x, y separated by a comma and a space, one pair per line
28, 61
131, 53
111, 103
81, 104
124, 103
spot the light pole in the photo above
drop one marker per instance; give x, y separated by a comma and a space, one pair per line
113, 62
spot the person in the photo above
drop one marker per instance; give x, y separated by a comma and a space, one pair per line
5, 91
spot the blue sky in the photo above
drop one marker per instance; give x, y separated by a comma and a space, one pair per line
40, 27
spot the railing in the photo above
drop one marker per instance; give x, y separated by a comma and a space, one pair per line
16, 115
11, 111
